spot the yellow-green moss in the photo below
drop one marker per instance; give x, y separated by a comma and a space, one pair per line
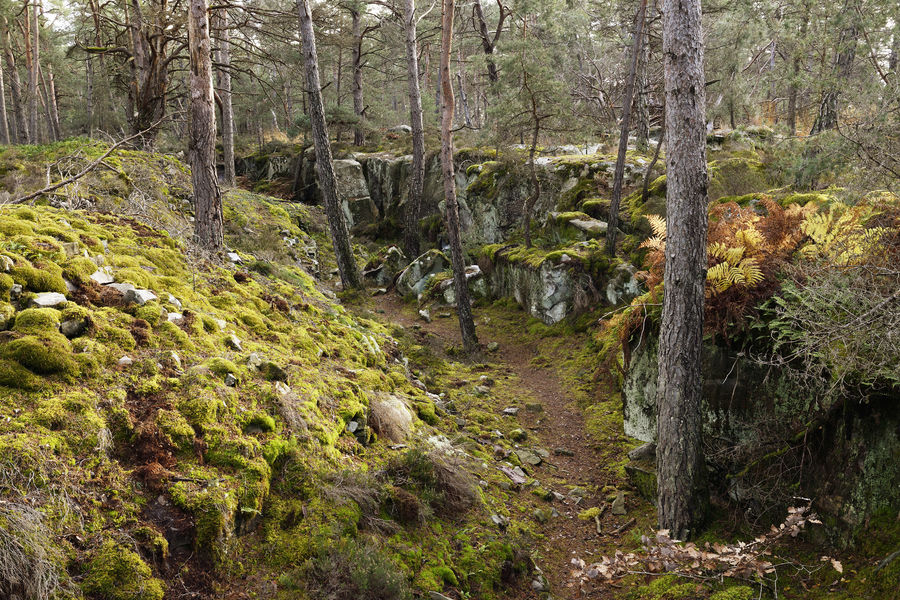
6, 283
14, 375
79, 269
37, 321
173, 424
116, 573
48, 354
741, 592
47, 279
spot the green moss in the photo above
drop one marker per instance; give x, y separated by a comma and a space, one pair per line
173, 424
79, 269
425, 410
6, 284
741, 592
12, 228
257, 420
116, 573
150, 312
14, 375
37, 321
222, 367
49, 354
47, 279
134, 275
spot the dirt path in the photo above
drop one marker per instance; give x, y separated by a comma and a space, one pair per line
574, 459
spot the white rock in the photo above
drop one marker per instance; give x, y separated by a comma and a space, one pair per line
234, 342
48, 300
102, 276
139, 297
235, 258
125, 361
174, 301
174, 317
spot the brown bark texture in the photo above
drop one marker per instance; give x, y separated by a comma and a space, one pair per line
417, 168
681, 470
219, 22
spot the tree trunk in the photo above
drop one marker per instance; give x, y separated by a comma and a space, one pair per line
623, 134
359, 137
451, 208
223, 79
15, 88
32, 32
207, 197
487, 42
417, 169
642, 97
681, 470
845, 54
463, 100
89, 93
149, 73
340, 236
4, 123
46, 104
53, 106
535, 182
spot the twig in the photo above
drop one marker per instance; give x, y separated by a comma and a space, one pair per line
623, 527
886, 561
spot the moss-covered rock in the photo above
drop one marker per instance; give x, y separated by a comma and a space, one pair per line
49, 354
116, 573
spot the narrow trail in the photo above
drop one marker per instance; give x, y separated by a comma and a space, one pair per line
573, 471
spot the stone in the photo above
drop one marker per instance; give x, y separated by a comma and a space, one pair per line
618, 505
644, 452
7, 315
70, 287
493, 347
140, 297
71, 249
6, 263
15, 291
499, 521
73, 327
405, 129
48, 300
230, 380
475, 280
233, 342
518, 435
353, 192
221, 323
172, 360
486, 381
534, 407
511, 411
102, 276
352, 426
623, 285
254, 361
384, 268
563, 452
542, 515
124, 288
174, 317
235, 258
539, 584
413, 279
425, 315
528, 457
390, 417
482, 390
125, 361
174, 301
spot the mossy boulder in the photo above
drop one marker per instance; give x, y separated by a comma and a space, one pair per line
45, 355
116, 573
37, 321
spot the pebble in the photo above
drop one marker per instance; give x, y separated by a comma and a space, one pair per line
125, 361
234, 342
493, 347
563, 452
511, 411
618, 505
230, 380
48, 300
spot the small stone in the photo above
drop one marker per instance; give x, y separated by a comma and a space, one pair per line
234, 342
171, 359
563, 452
72, 328
493, 346
460, 422
282, 388
71, 248
499, 521
482, 390
352, 426
174, 317
578, 492
558, 497
425, 315
379, 291
486, 381
221, 323
230, 380
125, 361
534, 407
139, 297
234, 257
437, 596
48, 300
518, 435
511, 411
6, 263
174, 301
538, 584
70, 287
618, 505
254, 360
528, 457
541, 515
15, 291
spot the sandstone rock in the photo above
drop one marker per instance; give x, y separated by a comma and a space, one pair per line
389, 417
139, 297
102, 276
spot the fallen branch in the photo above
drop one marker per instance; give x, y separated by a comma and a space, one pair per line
623, 527
886, 561
90, 166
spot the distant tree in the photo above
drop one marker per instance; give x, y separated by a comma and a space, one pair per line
417, 168
219, 24
207, 197
681, 468
451, 208
340, 236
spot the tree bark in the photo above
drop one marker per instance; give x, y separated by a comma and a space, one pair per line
32, 53
681, 470
149, 71
532, 150
53, 105
642, 99
15, 88
489, 42
359, 136
219, 19
845, 54
4, 123
623, 133
207, 197
340, 236
451, 208
417, 169
46, 104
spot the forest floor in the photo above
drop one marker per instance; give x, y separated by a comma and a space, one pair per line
582, 470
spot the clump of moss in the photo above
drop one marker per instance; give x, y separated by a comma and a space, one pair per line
79, 269
6, 284
48, 279
116, 573
258, 421
222, 367
741, 592
37, 321
14, 375
173, 424
49, 354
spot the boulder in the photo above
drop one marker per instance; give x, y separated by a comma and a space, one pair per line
623, 285
384, 268
401, 129
415, 277
359, 209
389, 417
7, 314
102, 276
474, 279
48, 300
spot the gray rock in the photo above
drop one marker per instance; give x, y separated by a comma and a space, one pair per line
539, 584
499, 521
124, 288
413, 279
230, 380
235, 258
48, 300
645, 451
174, 317
542, 515
493, 347
15, 291
511, 411
384, 268
401, 129
390, 417
233, 342
475, 281
125, 361
139, 297
254, 361
174, 301
70, 287
528, 457
590, 227
518, 435
425, 315
73, 327
71, 248
352, 426
618, 505
353, 192
6, 263
102, 276
7, 312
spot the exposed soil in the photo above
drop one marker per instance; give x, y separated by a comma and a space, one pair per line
575, 458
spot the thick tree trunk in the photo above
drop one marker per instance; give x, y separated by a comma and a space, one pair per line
619, 174
149, 72
532, 150
15, 88
488, 43
52, 105
451, 208
33, 43
359, 136
417, 169
219, 20
207, 197
45, 104
340, 236
4, 123
681, 470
